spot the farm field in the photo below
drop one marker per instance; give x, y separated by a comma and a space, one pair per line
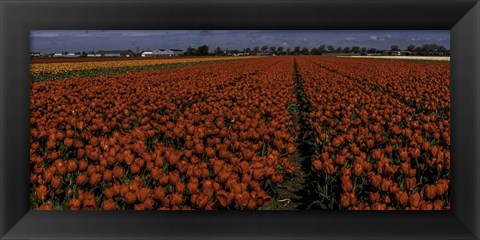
62, 68
420, 58
258, 133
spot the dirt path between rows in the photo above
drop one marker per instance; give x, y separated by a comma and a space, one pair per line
293, 193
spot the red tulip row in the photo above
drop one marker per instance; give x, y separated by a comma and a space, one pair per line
423, 85
203, 137
372, 150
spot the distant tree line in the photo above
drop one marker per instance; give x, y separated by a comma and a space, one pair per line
428, 49
200, 51
425, 49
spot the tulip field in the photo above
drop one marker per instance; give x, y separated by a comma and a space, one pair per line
240, 134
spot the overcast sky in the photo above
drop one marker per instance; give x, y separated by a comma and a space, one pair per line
87, 40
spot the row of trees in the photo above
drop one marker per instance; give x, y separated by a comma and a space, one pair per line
204, 50
425, 49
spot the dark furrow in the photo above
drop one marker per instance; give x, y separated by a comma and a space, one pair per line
298, 192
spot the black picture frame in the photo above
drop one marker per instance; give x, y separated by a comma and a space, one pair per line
18, 17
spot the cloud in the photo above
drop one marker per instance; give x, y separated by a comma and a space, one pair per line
349, 39
388, 36
373, 37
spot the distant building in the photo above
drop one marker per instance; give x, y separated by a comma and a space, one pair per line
67, 55
396, 53
36, 54
146, 54
242, 54
162, 53
94, 55
115, 53
392, 53
72, 55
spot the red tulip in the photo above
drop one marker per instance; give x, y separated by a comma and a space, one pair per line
429, 191
224, 198
317, 165
41, 192
414, 199
158, 193
46, 206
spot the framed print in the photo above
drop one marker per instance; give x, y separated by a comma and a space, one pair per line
283, 117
